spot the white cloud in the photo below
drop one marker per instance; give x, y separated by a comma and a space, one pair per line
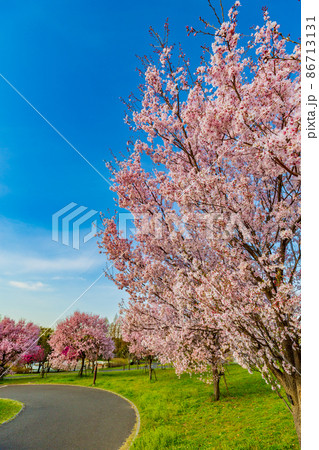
47, 265
64, 278
29, 250
40, 278
20, 263
29, 285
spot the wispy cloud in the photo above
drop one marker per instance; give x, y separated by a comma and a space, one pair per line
30, 250
39, 278
19, 263
29, 285
65, 278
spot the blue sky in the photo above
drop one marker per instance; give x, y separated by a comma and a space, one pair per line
73, 60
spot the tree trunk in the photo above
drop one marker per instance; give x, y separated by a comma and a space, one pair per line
2, 371
93, 366
82, 366
150, 370
296, 413
95, 374
216, 390
293, 392
224, 376
216, 378
39, 367
292, 387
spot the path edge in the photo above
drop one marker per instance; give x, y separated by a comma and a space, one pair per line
129, 441
21, 409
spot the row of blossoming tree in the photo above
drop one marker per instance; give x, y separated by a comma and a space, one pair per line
214, 190
18, 344
79, 337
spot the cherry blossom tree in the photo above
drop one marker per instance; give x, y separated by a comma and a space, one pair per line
225, 147
136, 335
79, 337
41, 352
157, 322
190, 345
17, 339
37, 354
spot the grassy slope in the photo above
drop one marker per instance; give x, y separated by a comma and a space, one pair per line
8, 409
178, 414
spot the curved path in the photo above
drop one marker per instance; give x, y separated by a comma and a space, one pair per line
66, 417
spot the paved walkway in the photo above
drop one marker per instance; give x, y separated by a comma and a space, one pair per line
66, 418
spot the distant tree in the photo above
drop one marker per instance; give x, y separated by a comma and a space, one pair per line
121, 346
17, 339
43, 342
35, 355
79, 337
135, 336
39, 354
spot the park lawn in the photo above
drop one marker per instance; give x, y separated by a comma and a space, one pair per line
177, 413
8, 409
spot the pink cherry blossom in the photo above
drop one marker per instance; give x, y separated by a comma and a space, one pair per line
79, 337
218, 151
17, 340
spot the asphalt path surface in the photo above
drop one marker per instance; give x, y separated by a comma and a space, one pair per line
66, 417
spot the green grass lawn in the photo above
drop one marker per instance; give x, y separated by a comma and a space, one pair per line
178, 413
8, 409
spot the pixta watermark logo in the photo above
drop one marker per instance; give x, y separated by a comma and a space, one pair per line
67, 222
208, 226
